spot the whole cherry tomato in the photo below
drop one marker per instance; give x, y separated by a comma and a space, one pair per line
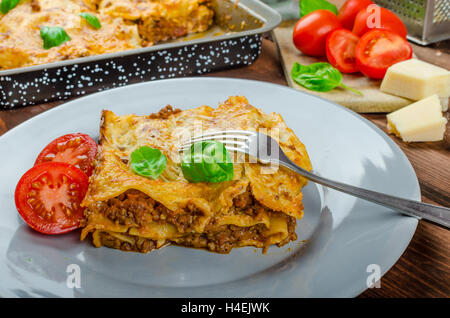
349, 10
311, 31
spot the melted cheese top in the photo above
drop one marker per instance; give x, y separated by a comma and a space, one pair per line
121, 135
126, 24
21, 44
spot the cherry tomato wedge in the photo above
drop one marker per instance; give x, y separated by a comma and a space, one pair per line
349, 10
78, 150
341, 45
310, 32
379, 49
48, 197
388, 20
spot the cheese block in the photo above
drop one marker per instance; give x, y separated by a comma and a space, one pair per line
420, 121
415, 79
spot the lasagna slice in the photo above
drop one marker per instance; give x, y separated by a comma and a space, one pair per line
133, 213
162, 20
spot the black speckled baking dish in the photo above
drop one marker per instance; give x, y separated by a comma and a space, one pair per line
234, 40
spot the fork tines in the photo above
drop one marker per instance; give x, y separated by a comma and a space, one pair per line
234, 140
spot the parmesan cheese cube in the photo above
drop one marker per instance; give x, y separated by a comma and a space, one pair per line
416, 80
420, 121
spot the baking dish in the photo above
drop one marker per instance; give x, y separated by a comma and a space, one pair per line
234, 40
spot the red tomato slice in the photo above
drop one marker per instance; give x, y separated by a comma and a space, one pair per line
48, 197
388, 21
379, 49
341, 45
349, 10
310, 32
78, 150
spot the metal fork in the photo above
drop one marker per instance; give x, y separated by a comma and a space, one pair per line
266, 150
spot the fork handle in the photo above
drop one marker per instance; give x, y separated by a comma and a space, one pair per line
437, 214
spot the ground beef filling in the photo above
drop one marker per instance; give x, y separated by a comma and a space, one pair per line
140, 244
134, 208
165, 113
229, 236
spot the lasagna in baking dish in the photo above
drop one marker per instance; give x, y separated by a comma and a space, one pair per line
130, 212
125, 24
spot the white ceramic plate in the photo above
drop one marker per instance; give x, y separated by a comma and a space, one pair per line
339, 237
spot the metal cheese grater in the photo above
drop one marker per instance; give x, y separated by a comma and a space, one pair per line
427, 21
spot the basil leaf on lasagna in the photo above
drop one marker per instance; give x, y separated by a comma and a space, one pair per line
91, 19
207, 161
148, 162
8, 5
53, 36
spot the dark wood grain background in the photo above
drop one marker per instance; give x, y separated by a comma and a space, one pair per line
424, 268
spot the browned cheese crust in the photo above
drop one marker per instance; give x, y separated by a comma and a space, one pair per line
125, 25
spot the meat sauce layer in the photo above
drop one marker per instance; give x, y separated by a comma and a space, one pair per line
134, 208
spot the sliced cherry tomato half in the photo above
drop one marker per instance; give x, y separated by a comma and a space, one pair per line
377, 50
367, 20
341, 46
48, 197
310, 32
349, 10
78, 150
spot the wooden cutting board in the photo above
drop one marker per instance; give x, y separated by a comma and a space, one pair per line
372, 101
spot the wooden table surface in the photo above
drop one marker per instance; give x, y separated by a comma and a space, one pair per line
424, 268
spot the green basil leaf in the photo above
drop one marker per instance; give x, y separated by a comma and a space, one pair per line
91, 19
308, 6
207, 161
148, 162
320, 77
53, 36
8, 5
